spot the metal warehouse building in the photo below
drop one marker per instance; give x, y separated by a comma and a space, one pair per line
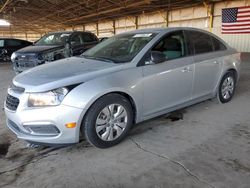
124, 94
30, 19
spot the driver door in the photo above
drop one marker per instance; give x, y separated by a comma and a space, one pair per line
168, 84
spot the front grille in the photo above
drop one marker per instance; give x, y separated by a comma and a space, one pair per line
12, 102
26, 64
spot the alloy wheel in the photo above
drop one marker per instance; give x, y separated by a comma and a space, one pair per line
227, 88
111, 122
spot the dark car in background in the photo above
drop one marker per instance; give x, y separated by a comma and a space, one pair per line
10, 45
51, 47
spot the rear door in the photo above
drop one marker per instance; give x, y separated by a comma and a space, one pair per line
207, 65
168, 84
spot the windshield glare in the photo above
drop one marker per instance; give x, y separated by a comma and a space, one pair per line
53, 39
121, 48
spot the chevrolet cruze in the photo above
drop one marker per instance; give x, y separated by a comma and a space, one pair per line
126, 79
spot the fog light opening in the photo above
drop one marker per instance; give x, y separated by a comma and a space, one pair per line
70, 125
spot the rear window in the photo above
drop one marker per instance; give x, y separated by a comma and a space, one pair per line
13, 43
88, 37
202, 43
218, 46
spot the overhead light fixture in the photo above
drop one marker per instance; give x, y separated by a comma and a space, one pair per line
4, 23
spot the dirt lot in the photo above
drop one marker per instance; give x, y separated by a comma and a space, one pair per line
206, 145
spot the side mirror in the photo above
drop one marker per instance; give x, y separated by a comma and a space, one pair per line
156, 57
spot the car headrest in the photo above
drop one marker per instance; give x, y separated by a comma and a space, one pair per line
172, 44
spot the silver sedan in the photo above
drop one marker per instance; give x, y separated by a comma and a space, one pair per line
126, 79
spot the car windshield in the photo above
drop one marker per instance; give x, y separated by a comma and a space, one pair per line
53, 39
119, 49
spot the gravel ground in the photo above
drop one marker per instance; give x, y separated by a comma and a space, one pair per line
205, 145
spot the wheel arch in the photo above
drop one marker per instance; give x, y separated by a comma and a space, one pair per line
122, 93
231, 69
131, 100
232, 72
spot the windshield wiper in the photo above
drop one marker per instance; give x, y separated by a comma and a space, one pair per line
99, 58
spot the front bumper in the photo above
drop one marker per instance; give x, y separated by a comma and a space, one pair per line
23, 62
46, 125
19, 67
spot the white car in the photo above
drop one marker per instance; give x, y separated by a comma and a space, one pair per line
126, 79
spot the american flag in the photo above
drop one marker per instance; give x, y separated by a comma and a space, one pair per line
236, 20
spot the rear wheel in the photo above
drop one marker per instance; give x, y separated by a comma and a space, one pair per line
108, 121
227, 87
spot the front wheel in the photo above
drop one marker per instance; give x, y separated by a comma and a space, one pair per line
227, 87
108, 121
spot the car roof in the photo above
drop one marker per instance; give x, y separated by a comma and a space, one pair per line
68, 32
165, 29
13, 39
170, 29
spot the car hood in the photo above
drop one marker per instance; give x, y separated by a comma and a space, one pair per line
63, 72
38, 48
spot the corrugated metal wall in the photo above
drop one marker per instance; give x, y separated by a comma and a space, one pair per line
239, 41
31, 36
187, 17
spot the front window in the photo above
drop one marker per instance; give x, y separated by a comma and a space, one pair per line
121, 48
53, 39
173, 46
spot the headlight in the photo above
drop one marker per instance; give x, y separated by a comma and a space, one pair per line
50, 98
13, 57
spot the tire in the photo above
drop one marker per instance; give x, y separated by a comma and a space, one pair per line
108, 121
227, 87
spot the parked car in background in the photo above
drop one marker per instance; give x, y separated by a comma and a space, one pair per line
51, 47
10, 45
124, 80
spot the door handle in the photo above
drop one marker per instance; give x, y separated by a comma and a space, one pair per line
216, 62
186, 69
